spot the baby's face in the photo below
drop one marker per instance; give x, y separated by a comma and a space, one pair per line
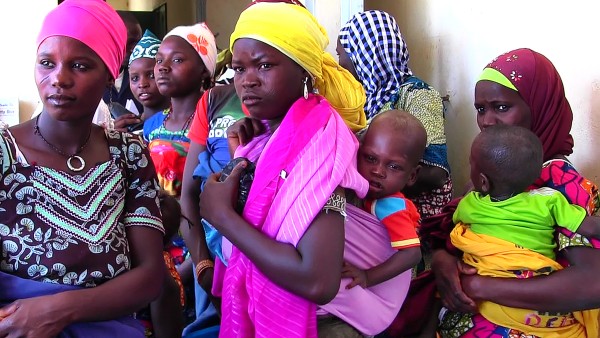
384, 160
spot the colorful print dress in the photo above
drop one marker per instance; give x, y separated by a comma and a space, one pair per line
56, 227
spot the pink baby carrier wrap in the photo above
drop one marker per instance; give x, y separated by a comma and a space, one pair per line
297, 169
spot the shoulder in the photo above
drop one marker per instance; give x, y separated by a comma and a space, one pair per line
390, 205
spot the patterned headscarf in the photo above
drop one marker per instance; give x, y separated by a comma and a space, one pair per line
375, 46
296, 33
541, 87
104, 31
203, 41
147, 47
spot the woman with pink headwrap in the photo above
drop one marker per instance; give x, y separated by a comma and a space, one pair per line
80, 224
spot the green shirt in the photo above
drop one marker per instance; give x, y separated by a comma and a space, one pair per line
527, 219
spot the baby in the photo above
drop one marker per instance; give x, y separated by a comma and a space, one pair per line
388, 157
505, 231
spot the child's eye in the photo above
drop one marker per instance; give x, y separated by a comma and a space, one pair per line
159, 61
177, 60
266, 66
370, 159
135, 78
396, 167
151, 75
238, 69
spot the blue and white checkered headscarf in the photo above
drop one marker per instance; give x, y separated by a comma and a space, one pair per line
375, 46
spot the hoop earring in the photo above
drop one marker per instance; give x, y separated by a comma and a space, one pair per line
305, 93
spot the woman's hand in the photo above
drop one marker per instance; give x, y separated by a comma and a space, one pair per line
32, 318
359, 276
448, 270
124, 121
243, 131
218, 199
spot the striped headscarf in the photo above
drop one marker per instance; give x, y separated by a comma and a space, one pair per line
375, 46
296, 33
539, 84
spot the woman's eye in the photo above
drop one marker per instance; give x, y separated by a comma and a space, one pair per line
480, 110
80, 66
159, 61
502, 107
46, 63
238, 69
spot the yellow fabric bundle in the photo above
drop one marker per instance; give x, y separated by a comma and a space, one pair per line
497, 258
296, 33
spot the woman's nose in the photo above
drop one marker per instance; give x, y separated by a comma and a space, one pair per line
61, 77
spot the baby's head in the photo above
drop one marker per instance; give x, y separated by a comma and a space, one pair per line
171, 215
505, 160
390, 152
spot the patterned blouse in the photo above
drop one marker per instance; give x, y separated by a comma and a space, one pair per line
57, 227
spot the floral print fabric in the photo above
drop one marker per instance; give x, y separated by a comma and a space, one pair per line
56, 227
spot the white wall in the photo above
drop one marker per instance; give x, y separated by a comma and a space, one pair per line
451, 41
20, 22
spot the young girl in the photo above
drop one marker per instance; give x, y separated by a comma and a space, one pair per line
79, 218
185, 64
142, 83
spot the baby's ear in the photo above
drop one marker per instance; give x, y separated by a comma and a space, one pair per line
485, 184
413, 176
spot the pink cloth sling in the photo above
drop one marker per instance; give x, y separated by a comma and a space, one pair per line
298, 168
373, 309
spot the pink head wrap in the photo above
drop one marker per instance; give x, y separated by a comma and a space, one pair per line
94, 23
203, 41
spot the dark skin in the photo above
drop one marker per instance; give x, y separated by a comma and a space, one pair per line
388, 159
71, 78
429, 177
312, 269
458, 284
144, 89
179, 74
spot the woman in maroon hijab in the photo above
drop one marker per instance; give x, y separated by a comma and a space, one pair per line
522, 88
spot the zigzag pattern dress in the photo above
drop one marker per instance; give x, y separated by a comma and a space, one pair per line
56, 227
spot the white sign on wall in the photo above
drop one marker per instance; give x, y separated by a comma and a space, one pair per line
9, 110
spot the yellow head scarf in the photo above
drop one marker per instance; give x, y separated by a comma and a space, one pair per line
296, 33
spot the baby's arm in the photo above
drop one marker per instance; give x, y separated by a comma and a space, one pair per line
590, 227
399, 262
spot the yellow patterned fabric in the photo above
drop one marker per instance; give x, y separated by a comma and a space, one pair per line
498, 258
296, 33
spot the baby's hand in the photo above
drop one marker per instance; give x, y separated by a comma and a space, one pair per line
359, 276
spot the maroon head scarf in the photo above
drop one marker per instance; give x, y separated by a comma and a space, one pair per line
541, 87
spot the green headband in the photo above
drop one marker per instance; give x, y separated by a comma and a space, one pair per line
491, 74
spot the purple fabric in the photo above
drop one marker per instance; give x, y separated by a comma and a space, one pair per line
13, 288
373, 309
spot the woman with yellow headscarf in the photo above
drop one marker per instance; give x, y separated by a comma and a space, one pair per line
288, 242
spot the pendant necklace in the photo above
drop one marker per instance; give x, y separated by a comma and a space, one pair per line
70, 158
